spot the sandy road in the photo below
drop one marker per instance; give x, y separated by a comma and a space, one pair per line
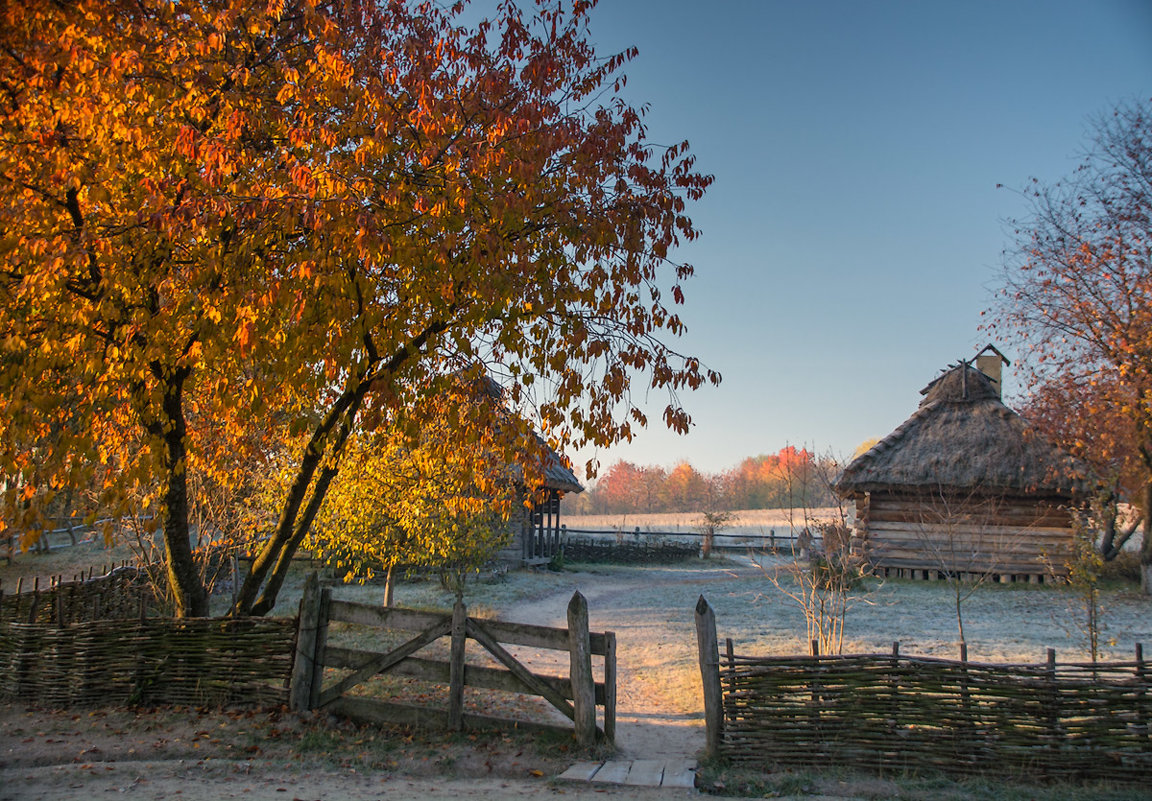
660, 710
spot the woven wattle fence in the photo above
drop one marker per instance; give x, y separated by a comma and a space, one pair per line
627, 550
123, 592
197, 662
898, 713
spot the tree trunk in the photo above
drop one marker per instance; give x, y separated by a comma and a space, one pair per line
271, 564
187, 589
389, 585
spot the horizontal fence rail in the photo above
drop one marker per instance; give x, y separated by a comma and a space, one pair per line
721, 540
194, 661
648, 547
891, 712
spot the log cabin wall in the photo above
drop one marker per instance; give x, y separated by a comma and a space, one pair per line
917, 536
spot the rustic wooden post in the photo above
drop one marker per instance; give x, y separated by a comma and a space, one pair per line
709, 656
234, 563
1053, 705
583, 685
1142, 683
315, 684
300, 687
610, 686
456, 667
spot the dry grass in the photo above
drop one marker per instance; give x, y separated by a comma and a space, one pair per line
746, 521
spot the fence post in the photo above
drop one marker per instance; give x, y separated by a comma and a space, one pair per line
1141, 682
610, 686
709, 656
583, 685
300, 688
315, 683
456, 667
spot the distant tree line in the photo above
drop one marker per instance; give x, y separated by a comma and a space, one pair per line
790, 477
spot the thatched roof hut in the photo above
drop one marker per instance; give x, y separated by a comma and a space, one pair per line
964, 438
965, 467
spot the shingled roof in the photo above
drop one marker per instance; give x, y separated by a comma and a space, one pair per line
964, 438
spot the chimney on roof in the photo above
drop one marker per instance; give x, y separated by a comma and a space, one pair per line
991, 363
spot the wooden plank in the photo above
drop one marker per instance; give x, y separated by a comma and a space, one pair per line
538, 636
613, 772
581, 772
646, 773
607, 695
985, 531
438, 671
370, 710
477, 631
389, 617
385, 661
680, 773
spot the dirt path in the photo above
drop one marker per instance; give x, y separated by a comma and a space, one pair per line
660, 710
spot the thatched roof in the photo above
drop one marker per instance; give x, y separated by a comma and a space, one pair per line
557, 474
964, 438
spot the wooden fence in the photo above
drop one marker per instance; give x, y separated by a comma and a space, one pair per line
591, 549
687, 541
120, 592
892, 712
201, 662
576, 696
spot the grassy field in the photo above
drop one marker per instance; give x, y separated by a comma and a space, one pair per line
745, 521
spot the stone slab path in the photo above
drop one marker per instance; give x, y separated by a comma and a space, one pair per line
672, 773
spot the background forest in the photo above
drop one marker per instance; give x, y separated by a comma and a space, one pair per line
789, 478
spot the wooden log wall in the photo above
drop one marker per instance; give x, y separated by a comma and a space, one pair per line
900, 713
198, 662
1013, 539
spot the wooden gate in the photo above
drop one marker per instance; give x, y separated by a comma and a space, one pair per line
576, 696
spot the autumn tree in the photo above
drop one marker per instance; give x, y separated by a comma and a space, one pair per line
412, 496
1081, 415
230, 216
1078, 283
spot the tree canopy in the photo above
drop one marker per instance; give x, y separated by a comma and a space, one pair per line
1078, 295
232, 227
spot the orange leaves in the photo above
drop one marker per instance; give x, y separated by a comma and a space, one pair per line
267, 196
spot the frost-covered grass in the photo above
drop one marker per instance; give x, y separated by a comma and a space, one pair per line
746, 521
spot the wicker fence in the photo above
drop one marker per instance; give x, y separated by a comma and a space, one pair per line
201, 662
122, 592
626, 549
894, 713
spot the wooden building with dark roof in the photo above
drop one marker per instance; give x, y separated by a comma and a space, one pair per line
536, 532
965, 486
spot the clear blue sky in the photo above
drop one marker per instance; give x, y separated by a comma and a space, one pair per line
854, 232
